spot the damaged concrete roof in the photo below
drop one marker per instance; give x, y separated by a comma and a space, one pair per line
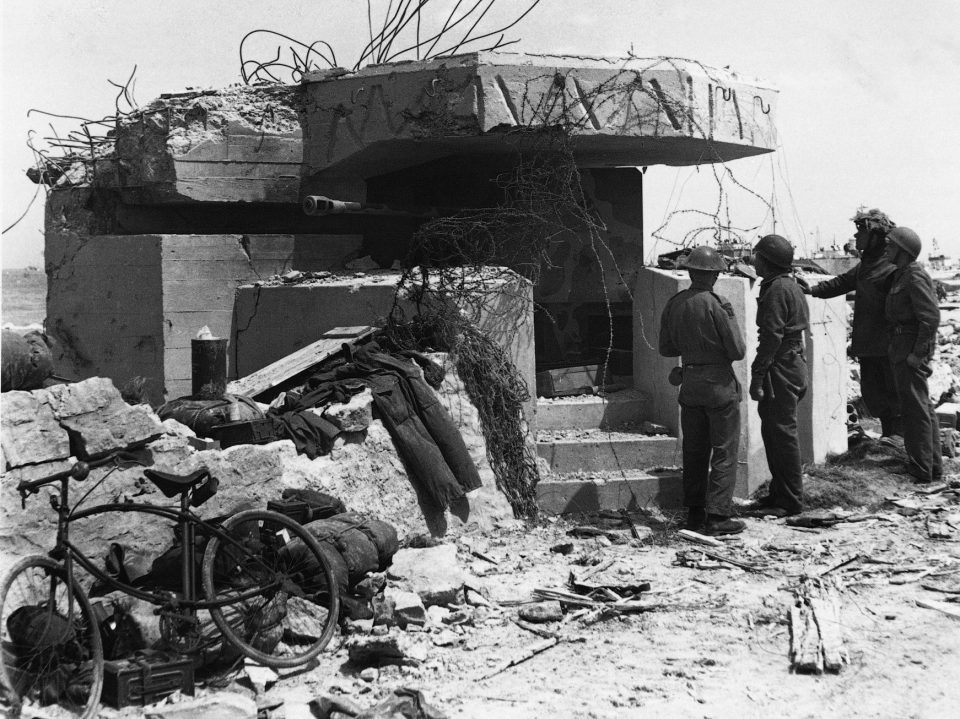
268, 143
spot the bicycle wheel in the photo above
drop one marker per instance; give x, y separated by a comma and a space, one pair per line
50, 639
294, 606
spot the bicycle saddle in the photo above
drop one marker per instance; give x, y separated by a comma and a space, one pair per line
173, 484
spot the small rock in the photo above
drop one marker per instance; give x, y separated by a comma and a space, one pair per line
408, 608
370, 674
541, 612
437, 614
380, 630
260, 677
305, 619
291, 276
446, 638
433, 573
562, 548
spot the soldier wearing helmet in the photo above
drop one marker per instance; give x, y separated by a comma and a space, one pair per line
870, 279
913, 317
779, 372
699, 326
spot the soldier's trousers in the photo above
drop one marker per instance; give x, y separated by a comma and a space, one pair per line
921, 429
784, 387
879, 391
710, 423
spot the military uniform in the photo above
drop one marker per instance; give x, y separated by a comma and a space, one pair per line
781, 369
913, 316
871, 279
699, 326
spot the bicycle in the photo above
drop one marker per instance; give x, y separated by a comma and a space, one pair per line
266, 584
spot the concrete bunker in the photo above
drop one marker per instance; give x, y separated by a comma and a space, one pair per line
201, 204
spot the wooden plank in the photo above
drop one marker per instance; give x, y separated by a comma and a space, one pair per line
300, 361
807, 656
826, 612
692, 536
940, 607
345, 332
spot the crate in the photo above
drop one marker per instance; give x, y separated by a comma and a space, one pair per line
146, 678
249, 431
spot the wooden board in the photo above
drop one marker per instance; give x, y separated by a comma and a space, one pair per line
300, 361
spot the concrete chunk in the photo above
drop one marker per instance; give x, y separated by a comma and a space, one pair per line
98, 432
353, 416
90, 395
408, 607
433, 573
29, 431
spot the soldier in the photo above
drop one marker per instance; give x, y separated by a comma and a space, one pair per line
913, 317
870, 279
779, 372
698, 325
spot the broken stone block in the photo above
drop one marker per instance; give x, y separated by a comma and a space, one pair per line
433, 573
90, 395
29, 431
96, 433
541, 612
222, 705
437, 614
353, 416
305, 620
176, 429
408, 607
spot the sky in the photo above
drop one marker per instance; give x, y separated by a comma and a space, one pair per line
868, 112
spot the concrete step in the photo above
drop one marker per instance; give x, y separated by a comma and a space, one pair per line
630, 490
619, 409
599, 451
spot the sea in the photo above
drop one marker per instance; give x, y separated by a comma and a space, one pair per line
23, 304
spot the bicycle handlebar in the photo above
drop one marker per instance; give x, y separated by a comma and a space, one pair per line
79, 472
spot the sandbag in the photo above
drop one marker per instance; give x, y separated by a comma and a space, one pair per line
202, 415
382, 534
359, 553
26, 361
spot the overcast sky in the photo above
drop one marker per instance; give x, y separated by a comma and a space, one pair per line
869, 111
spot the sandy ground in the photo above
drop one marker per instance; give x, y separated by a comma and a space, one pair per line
717, 644
719, 647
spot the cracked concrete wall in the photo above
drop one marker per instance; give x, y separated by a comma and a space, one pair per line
122, 306
274, 321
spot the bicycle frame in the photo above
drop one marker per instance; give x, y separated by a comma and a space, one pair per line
187, 520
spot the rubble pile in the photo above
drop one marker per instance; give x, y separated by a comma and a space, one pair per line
44, 430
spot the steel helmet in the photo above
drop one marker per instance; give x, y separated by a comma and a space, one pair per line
704, 258
776, 250
873, 218
906, 239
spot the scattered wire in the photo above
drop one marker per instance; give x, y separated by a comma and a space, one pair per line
401, 27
